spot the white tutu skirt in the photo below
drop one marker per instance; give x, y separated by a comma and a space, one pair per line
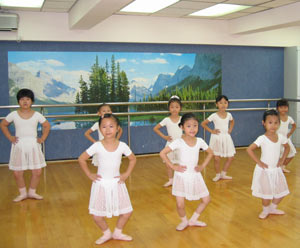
109, 198
26, 154
269, 183
191, 186
292, 152
173, 156
95, 160
222, 145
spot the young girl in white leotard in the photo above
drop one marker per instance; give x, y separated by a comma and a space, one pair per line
109, 195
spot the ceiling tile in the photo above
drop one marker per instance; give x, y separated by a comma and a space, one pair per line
232, 16
247, 2
255, 9
174, 12
191, 5
277, 3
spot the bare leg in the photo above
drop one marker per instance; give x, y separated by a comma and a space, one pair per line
217, 161
101, 223
181, 212
225, 169
35, 179
19, 176
193, 220
170, 176
123, 219
285, 163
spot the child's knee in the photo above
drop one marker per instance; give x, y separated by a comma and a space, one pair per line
217, 159
206, 200
18, 174
37, 173
127, 215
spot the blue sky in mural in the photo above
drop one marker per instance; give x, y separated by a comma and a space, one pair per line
68, 66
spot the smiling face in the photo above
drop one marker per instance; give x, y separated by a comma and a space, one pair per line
222, 104
109, 127
25, 102
174, 108
271, 124
190, 127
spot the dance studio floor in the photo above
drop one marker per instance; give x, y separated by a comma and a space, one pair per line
61, 220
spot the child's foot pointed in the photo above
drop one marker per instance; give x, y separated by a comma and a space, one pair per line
20, 198
197, 223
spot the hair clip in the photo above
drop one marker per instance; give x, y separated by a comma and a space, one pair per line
175, 97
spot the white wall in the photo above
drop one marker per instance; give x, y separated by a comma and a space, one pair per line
37, 26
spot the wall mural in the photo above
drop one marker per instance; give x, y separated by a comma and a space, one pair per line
97, 77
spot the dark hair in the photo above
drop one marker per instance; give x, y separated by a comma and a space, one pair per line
112, 116
282, 102
174, 99
186, 117
103, 105
270, 112
219, 98
25, 93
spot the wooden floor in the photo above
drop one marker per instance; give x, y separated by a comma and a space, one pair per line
62, 219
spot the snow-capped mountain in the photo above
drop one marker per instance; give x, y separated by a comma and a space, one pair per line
137, 91
42, 84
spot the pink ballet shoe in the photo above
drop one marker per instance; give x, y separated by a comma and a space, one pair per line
35, 196
103, 239
217, 178
168, 184
285, 170
263, 215
182, 225
276, 211
197, 223
122, 236
20, 198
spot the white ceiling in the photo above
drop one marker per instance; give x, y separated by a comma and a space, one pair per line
181, 9
85, 14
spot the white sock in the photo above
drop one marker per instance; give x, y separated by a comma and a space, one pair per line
22, 196
273, 206
105, 237
184, 219
217, 177
32, 194
23, 191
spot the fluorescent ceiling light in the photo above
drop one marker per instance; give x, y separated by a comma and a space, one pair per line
147, 6
220, 10
22, 3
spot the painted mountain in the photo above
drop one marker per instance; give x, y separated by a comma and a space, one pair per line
46, 89
138, 91
203, 75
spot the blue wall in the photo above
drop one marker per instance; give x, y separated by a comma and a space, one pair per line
247, 73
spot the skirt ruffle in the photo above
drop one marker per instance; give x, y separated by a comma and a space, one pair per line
269, 183
109, 198
222, 145
26, 154
189, 185
292, 152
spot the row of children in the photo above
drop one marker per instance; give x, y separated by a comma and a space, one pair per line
109, 195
